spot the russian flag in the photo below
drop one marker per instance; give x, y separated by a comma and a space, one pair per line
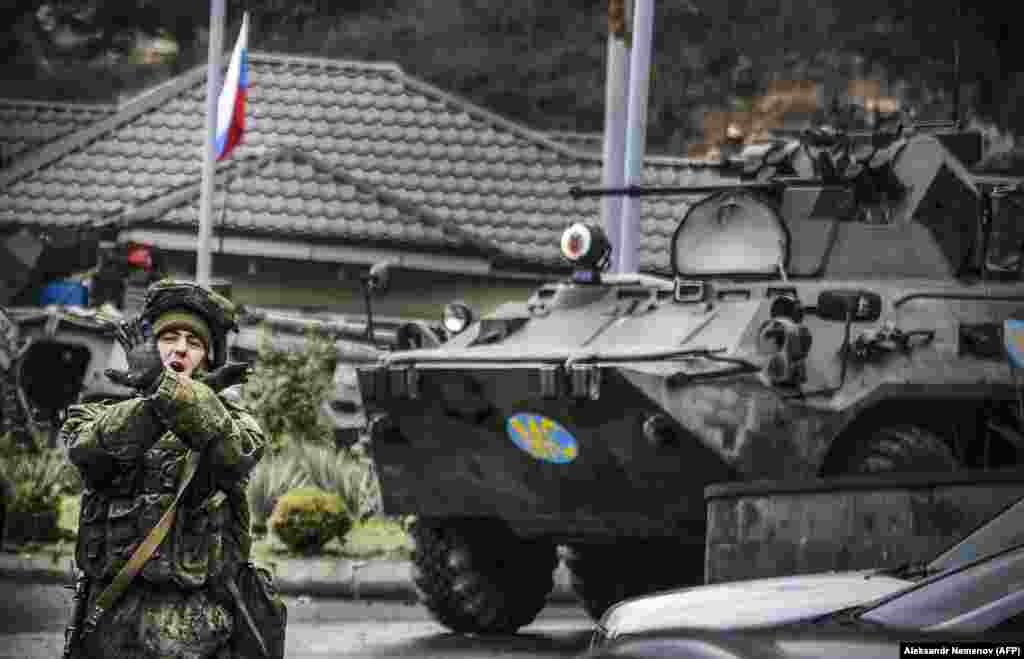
231, 104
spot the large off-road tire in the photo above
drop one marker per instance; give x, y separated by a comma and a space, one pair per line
605, 574
475, 576
902, 448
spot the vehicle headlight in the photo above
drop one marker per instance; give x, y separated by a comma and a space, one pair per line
787, 345
457, 317
585, 245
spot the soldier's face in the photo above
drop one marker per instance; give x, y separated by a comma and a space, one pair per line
181, 351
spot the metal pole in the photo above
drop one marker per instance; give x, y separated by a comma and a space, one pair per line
956, 66
213, 75
636, 132
617, 77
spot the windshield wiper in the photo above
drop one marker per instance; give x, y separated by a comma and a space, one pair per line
910, 571
849, 617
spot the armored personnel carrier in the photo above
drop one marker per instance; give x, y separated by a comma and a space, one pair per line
835, 311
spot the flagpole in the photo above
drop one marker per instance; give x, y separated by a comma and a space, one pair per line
636, 133
203, 261
616, 79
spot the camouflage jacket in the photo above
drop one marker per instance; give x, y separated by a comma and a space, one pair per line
132, 455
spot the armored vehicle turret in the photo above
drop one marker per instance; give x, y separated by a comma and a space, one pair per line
835, 311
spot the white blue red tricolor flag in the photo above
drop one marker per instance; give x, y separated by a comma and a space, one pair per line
231, 104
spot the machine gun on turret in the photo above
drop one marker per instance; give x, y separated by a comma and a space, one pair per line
857, 167
907, 175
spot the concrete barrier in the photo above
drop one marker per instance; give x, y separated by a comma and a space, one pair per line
777, 528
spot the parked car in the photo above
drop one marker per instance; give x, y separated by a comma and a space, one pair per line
781, 601
986, 595
705, 644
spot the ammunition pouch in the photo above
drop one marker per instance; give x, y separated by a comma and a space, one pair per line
122, 478
122, 531
161, 470
110, 530
90, 551
198, 542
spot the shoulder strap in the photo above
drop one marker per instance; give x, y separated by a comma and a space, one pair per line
244, 609
116, 589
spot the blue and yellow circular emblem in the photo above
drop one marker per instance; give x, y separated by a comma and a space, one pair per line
1013, 334
543, 438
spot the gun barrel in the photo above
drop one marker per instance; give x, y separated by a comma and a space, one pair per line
579, 192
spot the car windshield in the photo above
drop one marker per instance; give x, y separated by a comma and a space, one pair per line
974, 597
998, 534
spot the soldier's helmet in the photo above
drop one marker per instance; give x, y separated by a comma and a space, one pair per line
218, 311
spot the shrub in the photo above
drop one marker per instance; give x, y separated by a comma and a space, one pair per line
272, 477
37, 478
344, 472
308, 518
287, 387
32, 491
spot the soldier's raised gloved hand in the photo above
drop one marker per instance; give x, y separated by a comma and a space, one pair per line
144, 362
228, 375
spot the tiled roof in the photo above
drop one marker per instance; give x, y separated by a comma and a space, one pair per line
593, 142
288, 193
28, 125
590, 142
495, 181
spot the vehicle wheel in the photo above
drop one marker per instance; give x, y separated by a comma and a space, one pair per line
902, 448
475, 576
605, 574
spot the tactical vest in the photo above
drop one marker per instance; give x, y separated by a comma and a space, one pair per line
115, 522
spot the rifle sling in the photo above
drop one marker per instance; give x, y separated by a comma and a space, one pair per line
244, 610
124, 577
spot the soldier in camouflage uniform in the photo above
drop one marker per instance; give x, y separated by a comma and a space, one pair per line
131, 455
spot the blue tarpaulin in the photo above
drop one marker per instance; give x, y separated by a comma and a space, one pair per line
65, 291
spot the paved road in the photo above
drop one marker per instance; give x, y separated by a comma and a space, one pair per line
32, 622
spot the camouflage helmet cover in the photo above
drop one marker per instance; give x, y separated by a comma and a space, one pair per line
214, 308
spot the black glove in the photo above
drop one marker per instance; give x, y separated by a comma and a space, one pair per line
144, 362
227, 375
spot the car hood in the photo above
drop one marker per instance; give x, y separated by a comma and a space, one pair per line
750, 604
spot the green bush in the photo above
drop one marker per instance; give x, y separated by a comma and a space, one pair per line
345, 472
272, 477
286, 388
308, 518
37, 477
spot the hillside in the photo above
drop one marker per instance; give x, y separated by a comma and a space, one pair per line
739, 61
